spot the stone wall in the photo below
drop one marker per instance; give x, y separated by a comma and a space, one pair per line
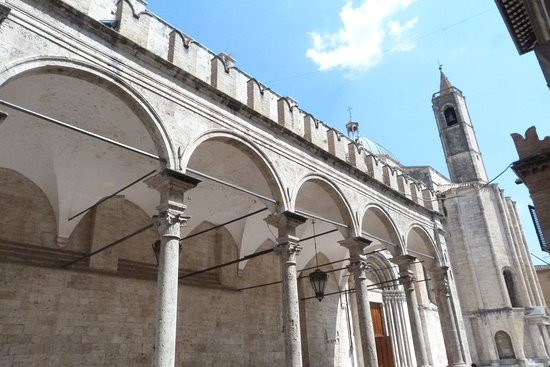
103, 313
543, 275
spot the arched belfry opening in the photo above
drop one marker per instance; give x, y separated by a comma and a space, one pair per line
450, 115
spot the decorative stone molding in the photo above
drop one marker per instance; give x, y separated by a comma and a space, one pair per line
441, 276
286, 222
289, 250
172, 186
166, 222
359, 265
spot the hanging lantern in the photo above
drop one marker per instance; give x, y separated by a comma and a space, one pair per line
318, 280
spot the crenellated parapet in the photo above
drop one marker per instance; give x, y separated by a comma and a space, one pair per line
533, 170
132, 20
531, 145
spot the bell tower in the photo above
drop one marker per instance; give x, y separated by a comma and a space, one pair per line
457, 134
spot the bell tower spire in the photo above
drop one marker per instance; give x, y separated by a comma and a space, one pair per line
444, 83
457, 134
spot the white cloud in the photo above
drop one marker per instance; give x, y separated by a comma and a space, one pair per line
366, 32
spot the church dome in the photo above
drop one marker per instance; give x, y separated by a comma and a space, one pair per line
374, 147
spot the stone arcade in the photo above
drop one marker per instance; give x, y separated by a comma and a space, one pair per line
99, 94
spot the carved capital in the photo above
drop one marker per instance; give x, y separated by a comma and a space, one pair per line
407, 279
358, 266
169, 222
442, 278
288, 251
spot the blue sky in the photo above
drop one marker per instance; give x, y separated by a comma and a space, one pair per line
380, 57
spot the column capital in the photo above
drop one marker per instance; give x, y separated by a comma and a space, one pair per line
355, 245
168, 223
358, 266
171, 185
441, 276
288, 251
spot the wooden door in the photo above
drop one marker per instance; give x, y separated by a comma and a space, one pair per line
383, 341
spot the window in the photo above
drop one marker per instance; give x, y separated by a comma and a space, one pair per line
510, 287
450, 116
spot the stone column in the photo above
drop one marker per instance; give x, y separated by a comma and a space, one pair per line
546, 337
407, 279
388, 297
172, 186
288, 248
538, 337
447, 317
357, 268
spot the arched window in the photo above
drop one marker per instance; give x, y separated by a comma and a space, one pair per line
504, 345
510, 287
450, 116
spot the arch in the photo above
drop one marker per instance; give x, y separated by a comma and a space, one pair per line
421, 245
504, 345
334, 193
249, 149
382, 271
209, 249
68, 172
377, 225
27, 215
104, 79
115, 218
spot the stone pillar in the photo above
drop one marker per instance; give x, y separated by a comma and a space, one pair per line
447, 317
407, 279
546, 337
357, 268
288, 248
537, 336
172, 186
